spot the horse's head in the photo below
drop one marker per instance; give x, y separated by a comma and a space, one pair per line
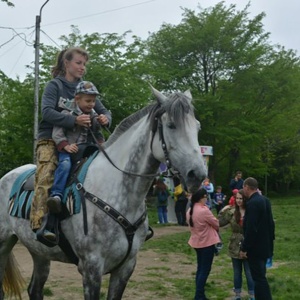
175, 140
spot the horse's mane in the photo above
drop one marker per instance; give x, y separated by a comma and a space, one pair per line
176, 106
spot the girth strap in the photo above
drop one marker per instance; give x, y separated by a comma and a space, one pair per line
114, 214
129, 228
81, 191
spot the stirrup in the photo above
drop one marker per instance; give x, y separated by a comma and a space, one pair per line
50, 222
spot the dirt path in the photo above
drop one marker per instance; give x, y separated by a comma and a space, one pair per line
64, 281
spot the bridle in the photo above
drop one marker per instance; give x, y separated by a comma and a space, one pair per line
156, 127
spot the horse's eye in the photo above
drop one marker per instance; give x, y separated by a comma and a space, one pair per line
171, 125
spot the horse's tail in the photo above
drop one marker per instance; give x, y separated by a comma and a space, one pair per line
13, 282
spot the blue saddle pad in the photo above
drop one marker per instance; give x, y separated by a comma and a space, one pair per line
20, 199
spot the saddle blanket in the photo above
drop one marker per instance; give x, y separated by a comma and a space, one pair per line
21, 197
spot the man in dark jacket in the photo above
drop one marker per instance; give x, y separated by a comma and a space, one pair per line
237, 181
259, 235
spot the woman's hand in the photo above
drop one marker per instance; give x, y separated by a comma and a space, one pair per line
243, 255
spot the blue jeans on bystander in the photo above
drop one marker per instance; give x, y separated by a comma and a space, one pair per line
238, 265
162, 212
205, 258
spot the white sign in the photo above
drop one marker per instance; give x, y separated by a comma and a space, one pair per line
206, 150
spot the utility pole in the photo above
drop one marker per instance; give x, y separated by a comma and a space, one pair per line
36, 76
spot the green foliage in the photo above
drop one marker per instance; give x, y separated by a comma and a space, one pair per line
16, 124
246, 91
243, 88
115, 69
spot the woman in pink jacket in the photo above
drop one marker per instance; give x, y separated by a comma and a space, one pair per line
204, 235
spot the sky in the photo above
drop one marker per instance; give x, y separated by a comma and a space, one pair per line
17, 24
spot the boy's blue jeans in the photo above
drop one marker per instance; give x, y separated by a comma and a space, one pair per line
61, 174
238, 265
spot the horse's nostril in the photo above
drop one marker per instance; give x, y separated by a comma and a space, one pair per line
194, 180
191, 174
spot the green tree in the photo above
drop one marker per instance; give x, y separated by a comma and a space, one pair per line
16, 123
246, 91
240, 84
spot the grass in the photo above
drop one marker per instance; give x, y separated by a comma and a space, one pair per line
283, 277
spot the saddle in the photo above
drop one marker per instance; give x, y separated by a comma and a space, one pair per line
85, 150
22, 194
52, 221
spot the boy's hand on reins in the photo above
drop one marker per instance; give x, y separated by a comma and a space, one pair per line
83, 120
102, 119
73, 148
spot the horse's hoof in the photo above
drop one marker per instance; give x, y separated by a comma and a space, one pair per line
54, 204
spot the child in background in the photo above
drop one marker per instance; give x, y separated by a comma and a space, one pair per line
181, 201
206, 184
161, 191
232, 198
219, 199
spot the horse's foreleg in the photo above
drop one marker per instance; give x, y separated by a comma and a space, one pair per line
91, 279
119, 279
41, 269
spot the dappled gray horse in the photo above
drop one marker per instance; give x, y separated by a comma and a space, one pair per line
165, 131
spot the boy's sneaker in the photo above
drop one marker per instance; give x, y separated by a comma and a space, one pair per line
54, 205
49, 235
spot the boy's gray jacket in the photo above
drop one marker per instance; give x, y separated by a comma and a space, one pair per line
51, 116
79, 134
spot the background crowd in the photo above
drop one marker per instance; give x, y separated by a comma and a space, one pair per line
247, 214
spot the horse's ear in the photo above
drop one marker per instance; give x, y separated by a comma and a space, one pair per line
188, 94
158, 95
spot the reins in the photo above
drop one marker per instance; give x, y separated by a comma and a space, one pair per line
127, 226
157, 125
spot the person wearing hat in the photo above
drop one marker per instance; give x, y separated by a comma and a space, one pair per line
232, 198
68, 141
67, 72
219, 199
204, 236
